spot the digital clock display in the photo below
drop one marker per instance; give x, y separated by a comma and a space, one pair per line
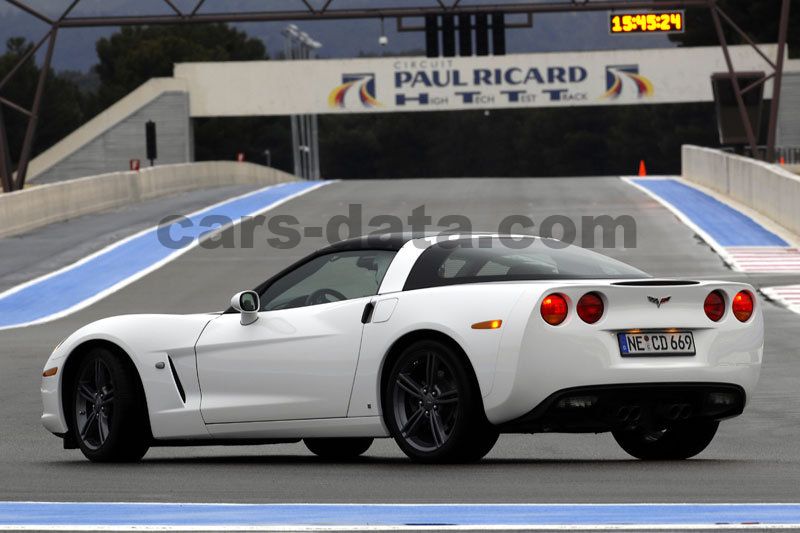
650, 22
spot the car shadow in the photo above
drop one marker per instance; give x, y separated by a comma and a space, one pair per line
291, 460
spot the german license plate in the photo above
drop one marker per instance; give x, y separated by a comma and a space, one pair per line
656, 343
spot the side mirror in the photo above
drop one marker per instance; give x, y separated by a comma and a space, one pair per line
248, 304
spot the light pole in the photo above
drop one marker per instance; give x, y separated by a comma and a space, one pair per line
305, 144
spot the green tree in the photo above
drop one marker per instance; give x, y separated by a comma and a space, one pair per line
222, 138
62, 106
133, 55
515, 142
575, 141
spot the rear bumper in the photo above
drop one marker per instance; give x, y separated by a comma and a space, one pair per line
536, 360
601, 408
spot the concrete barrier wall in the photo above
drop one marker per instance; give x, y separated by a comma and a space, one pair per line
38, 206
771, 190
107, 142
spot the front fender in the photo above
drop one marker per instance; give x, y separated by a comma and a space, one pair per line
147, 340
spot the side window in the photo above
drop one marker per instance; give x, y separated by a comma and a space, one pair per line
459, 266
329, 278
492, 268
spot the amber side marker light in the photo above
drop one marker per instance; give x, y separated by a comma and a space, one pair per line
50, 372
489, 324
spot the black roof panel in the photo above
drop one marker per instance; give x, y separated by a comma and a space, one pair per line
384, 241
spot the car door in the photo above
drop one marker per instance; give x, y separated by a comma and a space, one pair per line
298, 360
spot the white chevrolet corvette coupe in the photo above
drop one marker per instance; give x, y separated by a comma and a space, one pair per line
440, 343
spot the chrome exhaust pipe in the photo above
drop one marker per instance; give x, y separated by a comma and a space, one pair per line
674, 412
629, 413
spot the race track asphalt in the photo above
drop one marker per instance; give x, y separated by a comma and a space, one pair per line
755, 458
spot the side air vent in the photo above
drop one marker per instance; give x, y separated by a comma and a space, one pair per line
656, 283
177, 379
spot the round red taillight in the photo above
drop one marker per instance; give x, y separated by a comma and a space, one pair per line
714, 306
590, 307
554, 309
742, 306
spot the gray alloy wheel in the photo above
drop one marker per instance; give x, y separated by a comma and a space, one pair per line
425, 401
94, 405
108, 419
433, 407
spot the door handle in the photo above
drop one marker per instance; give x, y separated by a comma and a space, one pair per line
366, 316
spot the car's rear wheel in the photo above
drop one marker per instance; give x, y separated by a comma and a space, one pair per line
108, 415
341, 449
433, 408
680, 441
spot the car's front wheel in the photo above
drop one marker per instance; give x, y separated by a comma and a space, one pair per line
339, 449
680, 441
433, 408
108, 414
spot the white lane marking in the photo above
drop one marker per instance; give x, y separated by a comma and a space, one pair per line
743, 258
391, 504
719, 249
785, 295
361, 527
536, 526
765, 259
155, 266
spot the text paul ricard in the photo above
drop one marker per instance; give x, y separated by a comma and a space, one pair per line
437, 82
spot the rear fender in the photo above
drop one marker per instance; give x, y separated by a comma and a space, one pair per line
450, 311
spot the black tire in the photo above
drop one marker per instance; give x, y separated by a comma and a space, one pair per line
433, 407
674, 443
105, 390
339, 449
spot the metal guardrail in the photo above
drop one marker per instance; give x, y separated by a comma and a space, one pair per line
790, 154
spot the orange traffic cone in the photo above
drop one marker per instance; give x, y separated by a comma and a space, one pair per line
642, 168
781, 160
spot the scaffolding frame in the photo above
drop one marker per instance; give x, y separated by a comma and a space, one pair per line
14, 179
